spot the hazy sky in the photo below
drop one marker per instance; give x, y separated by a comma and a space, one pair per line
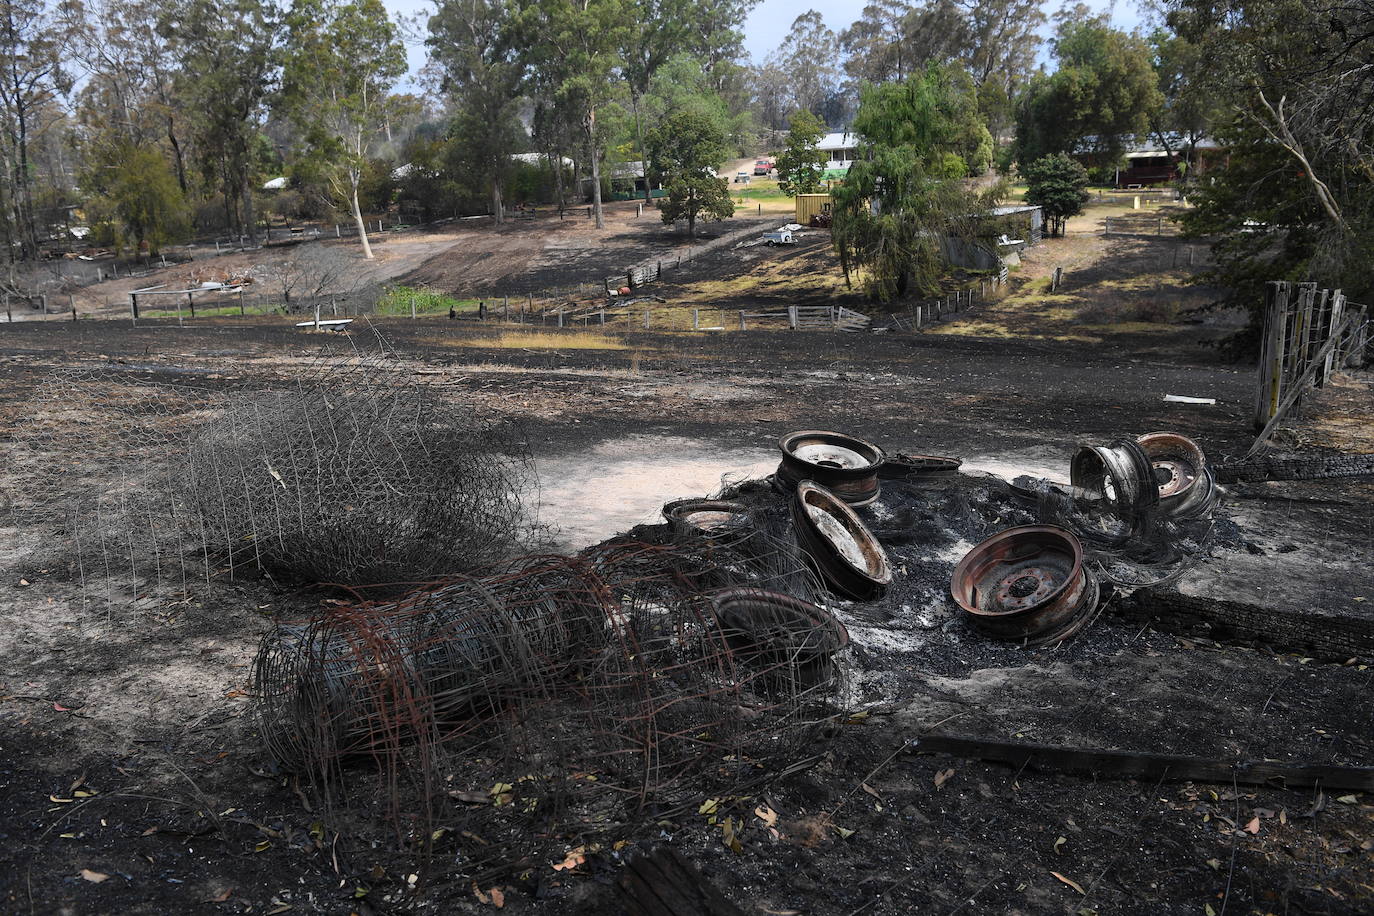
766, 26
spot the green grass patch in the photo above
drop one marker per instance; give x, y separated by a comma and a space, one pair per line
398, 300
212, 311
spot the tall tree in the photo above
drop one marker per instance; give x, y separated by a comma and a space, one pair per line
686, 148
875, 45
575, 45
809, 56
471, 41
1103, 91
228, 68
1292, 82
30, 56
1004, 39
801, 165
341, 59
905, 192
657, 29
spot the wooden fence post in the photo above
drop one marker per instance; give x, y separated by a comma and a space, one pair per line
646, 319
741, 320
696, 320
792, 317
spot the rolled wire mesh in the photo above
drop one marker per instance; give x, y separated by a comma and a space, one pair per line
346, 470
560, 696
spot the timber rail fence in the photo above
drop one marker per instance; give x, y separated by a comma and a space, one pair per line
1309, 333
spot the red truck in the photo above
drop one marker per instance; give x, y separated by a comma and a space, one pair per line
763, 166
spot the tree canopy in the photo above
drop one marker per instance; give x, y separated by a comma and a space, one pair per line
801, 166
685, 150
1056, 183
1103, 92
904, 196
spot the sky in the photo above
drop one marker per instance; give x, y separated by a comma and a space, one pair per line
768, 23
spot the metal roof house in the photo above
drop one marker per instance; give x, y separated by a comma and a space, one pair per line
840, 149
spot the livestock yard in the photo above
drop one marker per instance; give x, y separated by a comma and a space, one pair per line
525, 691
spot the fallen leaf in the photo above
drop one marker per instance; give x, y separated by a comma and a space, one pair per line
708, 807
477, 892
943, 776
1207, 910
729, 837
870, 790
59, 801
572, 860
767, 815
95, 877
1348, 799
1060, 842
1214, 864
222, 895
60, 708
498, 897
844, 833
23, 581
263, 846
149, 832
1070, 882
1253, 826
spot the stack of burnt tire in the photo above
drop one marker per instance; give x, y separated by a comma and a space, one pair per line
1034, 585
828, 474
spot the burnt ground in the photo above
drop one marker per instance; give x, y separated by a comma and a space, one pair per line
126, 751
542, 255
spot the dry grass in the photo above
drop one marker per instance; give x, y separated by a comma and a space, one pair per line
537, 340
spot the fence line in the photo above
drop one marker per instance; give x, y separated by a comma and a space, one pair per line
1308, 334
1157, 226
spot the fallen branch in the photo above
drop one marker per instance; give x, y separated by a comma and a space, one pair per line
1147, 765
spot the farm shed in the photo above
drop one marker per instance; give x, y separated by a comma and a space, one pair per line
809, 205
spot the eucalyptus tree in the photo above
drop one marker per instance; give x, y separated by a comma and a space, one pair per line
340, 59
228, 69
471, 42
575, 48
31, 79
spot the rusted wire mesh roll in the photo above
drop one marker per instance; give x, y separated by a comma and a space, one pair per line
592, 689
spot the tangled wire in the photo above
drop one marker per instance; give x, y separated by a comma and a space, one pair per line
559, 696
348, 472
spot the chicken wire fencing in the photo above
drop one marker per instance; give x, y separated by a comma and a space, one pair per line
558, 700
346, 470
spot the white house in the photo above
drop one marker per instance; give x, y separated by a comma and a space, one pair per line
840, 149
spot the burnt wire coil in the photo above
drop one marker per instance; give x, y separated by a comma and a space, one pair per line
846, 466
587, 689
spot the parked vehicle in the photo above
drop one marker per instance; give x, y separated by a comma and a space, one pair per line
763, 166
779, 237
